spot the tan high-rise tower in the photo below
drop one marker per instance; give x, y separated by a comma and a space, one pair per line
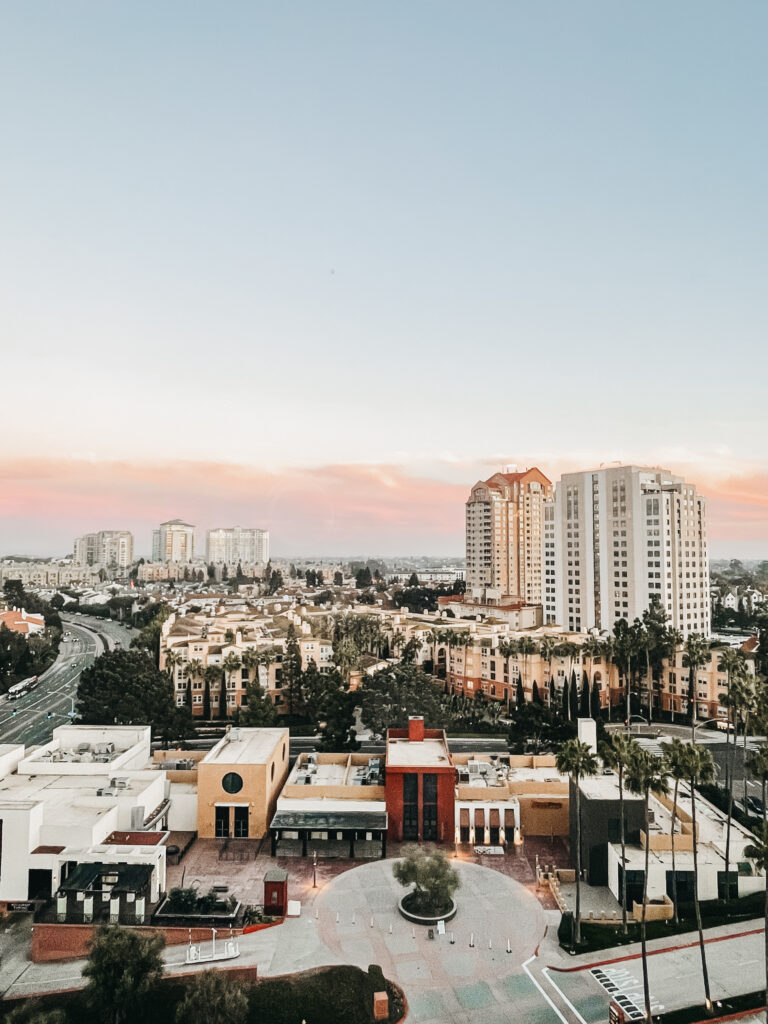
505, 522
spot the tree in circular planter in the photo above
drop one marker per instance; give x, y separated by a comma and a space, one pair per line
433, 879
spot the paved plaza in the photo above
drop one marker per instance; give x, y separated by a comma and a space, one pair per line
465, 976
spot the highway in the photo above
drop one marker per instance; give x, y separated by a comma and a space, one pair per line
31, 719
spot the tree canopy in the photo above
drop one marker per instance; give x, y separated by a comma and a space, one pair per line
125, 688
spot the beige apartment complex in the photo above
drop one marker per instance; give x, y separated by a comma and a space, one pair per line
173, 541
618, 539
504, 531
237, 545
107, 547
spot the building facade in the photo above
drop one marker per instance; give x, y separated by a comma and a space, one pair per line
618, 539
173, 541
111, 548
237, 545
504, 529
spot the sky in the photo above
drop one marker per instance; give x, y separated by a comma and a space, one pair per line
318, 267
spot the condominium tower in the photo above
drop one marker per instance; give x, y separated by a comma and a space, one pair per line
174, 541
616, 539
233, 545
107, 547
505, 524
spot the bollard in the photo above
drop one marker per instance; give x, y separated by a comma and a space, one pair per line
337, 917
353, 919
509, 948
453, 939
471, 940
371, 920
390, 927
490, 943
317, 913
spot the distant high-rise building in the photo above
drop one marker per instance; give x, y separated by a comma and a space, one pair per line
107, 547
173, 541
616, 539
235, 544
504, 529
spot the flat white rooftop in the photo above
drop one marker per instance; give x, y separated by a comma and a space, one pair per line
246, 746
428, 753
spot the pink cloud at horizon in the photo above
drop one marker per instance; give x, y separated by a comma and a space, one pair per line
344, 509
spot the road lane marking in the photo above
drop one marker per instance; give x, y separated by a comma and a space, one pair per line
541, 990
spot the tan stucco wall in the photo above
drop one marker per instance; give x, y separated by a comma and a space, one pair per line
261, 787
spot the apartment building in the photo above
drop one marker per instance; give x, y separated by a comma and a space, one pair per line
173, 541
618, 538
48, 574
110, 548
504, 532
237, 545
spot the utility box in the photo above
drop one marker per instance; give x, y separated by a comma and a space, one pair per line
276, 892
380, 1006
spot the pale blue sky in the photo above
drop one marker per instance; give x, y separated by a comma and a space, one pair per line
429, 234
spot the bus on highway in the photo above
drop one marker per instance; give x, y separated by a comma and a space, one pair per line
21, 688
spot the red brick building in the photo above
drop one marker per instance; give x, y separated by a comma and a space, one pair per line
420, 784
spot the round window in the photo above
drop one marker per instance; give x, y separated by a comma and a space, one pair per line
232, 782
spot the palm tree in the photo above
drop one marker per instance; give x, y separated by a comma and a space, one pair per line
617, 753
744, 702
757, 763
695, 657
547, 646
526, 646
607, 650
507, 648
673, 641
729, 661
576, 760
700, 771
172, 660
675, 766
758, 852
645, 775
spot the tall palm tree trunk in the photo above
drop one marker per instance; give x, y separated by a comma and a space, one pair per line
623, 852
577, 923
729, 753
672, 841
744, 767
643, 947
649, 684
704, 971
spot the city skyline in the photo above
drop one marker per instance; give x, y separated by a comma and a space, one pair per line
299, 251
357, 510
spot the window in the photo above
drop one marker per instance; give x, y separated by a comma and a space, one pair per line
232, 783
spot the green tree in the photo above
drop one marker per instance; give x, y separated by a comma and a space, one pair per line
292, 674
695, 657
33, 1011
212, 998
122, 969
413, 580
338, 579
645, 775
577, 761
617, 753
433, 879
124, 688
258, 710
